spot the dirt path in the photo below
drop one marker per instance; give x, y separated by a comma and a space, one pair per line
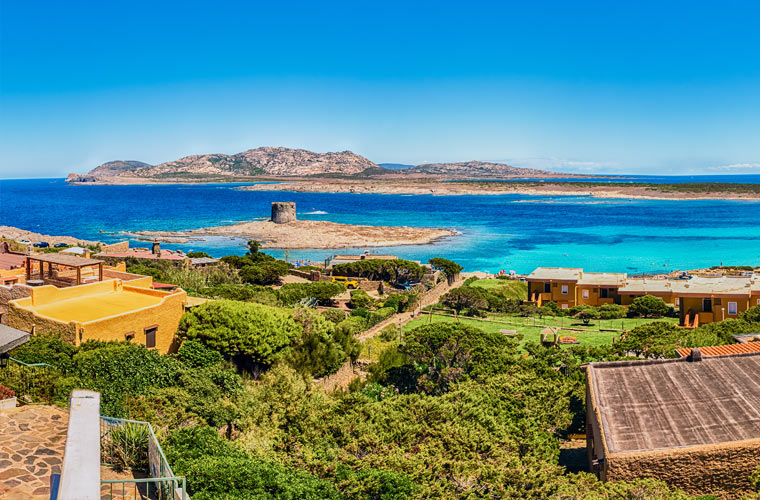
400, 319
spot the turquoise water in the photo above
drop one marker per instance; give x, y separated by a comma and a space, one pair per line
495, 232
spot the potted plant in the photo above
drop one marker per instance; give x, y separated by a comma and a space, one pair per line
7, 398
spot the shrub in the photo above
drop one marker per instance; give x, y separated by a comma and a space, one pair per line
196, 355
323, 291
265, 273
120, 369
255, 332
6, 392
360, 298
648, 306
47, 348
194, 255
316, 352
216, 469
612, 311
334, 315
443, 353
465, 297
243, 293
450, 268
352, 325
394, 271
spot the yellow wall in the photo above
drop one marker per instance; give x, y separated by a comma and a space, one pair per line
719, 311
165, 314
555, 295
593, 295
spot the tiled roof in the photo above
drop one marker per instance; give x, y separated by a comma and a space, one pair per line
722, 350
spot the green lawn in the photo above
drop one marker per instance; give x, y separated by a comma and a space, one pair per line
588, 336
514, 289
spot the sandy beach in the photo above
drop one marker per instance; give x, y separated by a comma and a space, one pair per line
310, 234
455, 188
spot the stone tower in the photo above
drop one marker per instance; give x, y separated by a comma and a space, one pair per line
283, 212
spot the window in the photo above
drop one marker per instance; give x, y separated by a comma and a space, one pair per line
150, 336
678, 301
548, 288
604, 293
707, 305
129, 336
717, 302
564, 306
732, 308
564, 289
585, 294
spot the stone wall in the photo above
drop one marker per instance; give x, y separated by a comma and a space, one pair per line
27, 321
8, 293
721, 470
122, 246
283, 212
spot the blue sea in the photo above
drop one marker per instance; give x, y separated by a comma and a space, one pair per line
510, 232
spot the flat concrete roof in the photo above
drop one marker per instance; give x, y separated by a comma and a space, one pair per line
95, 306
602, 279
10, 338
660, 404
645, 285
556, 273
712, 286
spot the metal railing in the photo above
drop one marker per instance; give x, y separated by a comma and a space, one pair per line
33, 383
132, 445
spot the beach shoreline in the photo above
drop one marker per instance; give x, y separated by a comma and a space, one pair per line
458, 188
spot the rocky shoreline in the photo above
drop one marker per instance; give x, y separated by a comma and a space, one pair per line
14, 233
304, 234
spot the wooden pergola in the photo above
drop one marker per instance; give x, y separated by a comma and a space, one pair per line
67, 271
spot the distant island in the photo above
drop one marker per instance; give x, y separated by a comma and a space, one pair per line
347, 172
280, 162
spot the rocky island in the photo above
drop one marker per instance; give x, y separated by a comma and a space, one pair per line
283, 230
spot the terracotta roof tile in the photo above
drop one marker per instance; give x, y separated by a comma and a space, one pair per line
721, 350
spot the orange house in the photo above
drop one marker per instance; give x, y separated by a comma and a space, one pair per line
556, 284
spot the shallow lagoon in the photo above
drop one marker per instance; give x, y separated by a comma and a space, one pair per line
496, 232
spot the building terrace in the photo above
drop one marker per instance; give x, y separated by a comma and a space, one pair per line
693, 422
107, 310
62, 270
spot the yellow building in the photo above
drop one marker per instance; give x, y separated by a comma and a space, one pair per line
596, 289
638, 287
105, 310
555, 284
705, 300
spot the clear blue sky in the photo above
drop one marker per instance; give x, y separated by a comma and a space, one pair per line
635, 87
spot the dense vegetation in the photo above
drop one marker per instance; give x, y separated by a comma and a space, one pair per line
448, 410
393, 271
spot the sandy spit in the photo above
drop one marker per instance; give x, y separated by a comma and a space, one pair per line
438, 188
312, 234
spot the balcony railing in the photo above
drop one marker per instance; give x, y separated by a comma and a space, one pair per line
132, 445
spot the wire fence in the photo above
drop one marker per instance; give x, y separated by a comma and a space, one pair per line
131, 445
33, 383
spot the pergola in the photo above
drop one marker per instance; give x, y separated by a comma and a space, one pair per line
67, 271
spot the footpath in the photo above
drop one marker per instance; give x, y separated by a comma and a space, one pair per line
400, 319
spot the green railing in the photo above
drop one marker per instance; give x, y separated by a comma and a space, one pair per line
33, 383
132, 445
143, 489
